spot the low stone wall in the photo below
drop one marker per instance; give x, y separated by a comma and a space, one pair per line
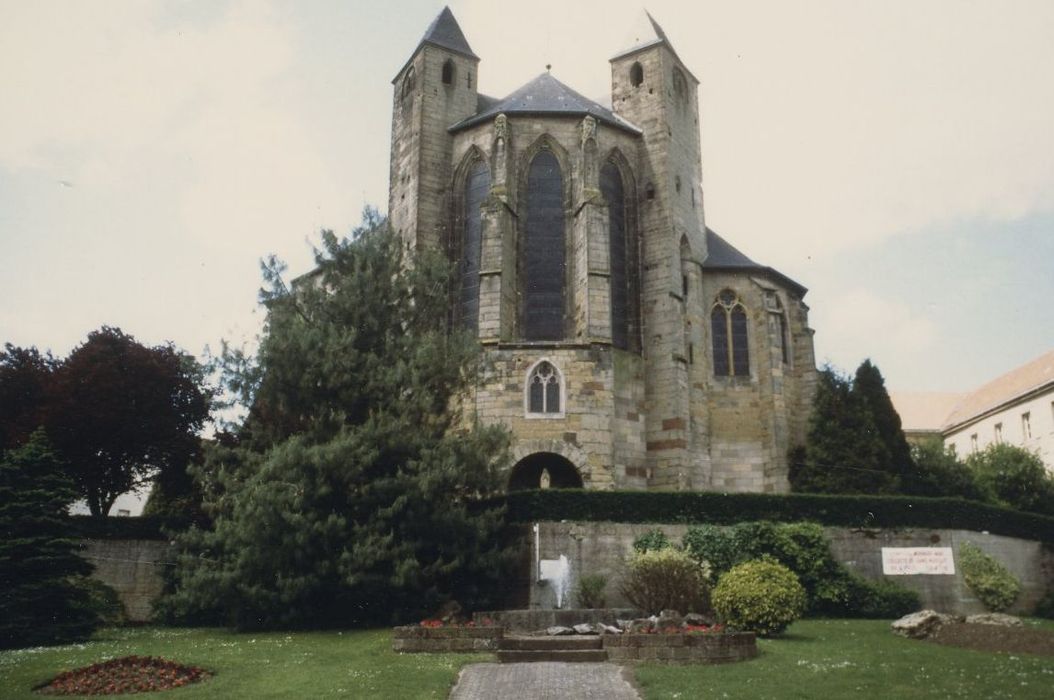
602, 548
532, 620
417, 639
132, 568
706, 648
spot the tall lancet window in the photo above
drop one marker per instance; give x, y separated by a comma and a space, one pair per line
477, 184
544, 257
611, 187
728, 326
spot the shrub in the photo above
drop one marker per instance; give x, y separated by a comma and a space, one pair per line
660, 579
761, 596
651, 541
990, 581
1045, 607
1013, 476
590, 591
877, 599
103, 599
714, 546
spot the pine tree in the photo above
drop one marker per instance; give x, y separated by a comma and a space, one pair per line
40, 599
352, 493
870, 388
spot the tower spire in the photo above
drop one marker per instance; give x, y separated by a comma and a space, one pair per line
445, 32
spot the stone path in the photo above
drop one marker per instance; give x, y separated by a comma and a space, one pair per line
548, 680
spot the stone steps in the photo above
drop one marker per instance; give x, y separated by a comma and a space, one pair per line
562, 648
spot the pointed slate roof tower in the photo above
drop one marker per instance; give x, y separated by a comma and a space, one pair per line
445, 32
646, 33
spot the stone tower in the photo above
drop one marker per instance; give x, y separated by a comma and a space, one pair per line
627, 344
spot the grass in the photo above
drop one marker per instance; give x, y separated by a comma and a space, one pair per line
357, 664
856, 659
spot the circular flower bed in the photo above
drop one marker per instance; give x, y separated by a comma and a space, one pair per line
128, 674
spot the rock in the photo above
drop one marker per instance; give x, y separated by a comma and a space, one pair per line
640, 625
922, 624
585, 628
624, 625
558, 631
669, 618
698, 619
608, 629
1000, 619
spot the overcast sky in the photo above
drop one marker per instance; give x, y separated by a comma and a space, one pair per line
895, 157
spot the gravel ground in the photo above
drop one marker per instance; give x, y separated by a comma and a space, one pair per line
543, 681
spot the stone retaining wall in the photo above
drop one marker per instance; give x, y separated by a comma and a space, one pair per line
703, 648
417, 639
133, 569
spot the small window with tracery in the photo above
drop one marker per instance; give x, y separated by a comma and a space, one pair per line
728, 328
543, 389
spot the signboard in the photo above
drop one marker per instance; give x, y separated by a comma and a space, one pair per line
904, 561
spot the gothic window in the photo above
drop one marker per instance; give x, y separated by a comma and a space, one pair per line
611, 187
544, 255
448, 72
728, 326
680, 86
636, 74
544, 390
477, 184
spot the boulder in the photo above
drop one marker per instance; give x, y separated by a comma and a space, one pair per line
669, 618
608, 629
698, 619
1001, 619
585, 628
640, 625
922, 624
558, 631
624, 625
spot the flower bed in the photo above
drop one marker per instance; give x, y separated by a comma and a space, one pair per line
710, 647
433, 636
128, 674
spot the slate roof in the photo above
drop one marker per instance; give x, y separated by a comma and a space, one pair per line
724, 257
444, 32
645, 33
544, 95
1003, 391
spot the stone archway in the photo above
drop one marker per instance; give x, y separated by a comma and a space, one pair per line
560, 472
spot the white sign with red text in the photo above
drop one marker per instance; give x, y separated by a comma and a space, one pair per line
904, 561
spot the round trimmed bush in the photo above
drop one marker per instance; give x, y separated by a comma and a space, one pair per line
761, 596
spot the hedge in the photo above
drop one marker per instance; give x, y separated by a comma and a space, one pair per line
123, 528
729, 508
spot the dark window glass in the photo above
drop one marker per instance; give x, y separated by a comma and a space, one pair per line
477, 184
740, 355
543, 389
611, 187
719, 331
448, 72
784, 344
636, 74
536, 399
552, 394
544, 254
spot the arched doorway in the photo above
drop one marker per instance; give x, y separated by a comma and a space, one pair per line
529, 472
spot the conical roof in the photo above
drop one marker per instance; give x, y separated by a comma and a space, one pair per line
644, 33
546, 95
445, 32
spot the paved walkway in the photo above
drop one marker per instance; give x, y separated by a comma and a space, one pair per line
547, 680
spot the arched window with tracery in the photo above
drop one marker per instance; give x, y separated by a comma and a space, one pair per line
544, 390
544, 254
612, 189
728, 326
477, 185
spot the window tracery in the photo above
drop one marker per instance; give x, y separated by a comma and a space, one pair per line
728, 326
544, 390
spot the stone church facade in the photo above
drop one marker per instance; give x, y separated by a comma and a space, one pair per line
627, 345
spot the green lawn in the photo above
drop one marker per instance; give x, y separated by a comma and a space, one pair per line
352, 664
826, 659
856, 659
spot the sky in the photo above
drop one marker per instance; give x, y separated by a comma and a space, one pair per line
895, 157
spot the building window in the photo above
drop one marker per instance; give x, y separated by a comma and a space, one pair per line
680, 86
612, 189
408, 82
1026, 426
448, 72
477, 185
998, 433
636, 74
973, 443
543, 391
544, 255
728, 326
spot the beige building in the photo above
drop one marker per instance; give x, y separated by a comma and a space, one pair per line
627, 344
1016, 408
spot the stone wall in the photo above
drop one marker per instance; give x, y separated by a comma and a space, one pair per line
417, 639
601, 548
133, 569
705, 648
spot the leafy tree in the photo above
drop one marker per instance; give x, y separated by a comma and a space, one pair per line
939, 472
1013, 476
870, 388
844, 452
25, 380
121, 412
352, 492
42, 596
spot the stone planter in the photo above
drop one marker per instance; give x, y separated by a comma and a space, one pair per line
701, 648
417, 639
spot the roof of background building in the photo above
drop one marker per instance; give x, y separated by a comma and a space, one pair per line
924, 410
1003, 390
723, 256
544, 95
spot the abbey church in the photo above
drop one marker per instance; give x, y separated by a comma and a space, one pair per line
627, 345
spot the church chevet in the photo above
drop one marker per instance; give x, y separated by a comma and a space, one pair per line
627, 345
